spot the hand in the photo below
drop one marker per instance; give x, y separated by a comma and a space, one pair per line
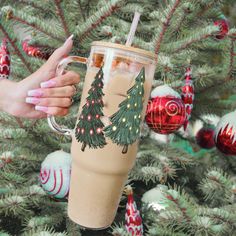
41, 93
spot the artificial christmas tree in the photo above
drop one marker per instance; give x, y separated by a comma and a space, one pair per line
200, 199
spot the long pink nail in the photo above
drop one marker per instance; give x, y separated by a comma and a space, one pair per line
41, 108
35, 93
32, 100
71, 37
48, 84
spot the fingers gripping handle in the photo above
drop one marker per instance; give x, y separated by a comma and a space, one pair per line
60, 69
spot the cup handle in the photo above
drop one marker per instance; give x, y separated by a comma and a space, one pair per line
60, 69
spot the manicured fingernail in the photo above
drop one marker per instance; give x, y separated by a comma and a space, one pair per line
48, 84
32, 100
41, 108
71, 37
35, 93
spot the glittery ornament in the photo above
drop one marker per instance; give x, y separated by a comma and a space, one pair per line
165, 112
5, 61
133, 220
33, 51
55, 174
224, 28
225, 134
205, 137
188, 95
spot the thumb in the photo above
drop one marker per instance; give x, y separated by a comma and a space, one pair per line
60, 53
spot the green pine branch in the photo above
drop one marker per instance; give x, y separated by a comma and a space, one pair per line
217, 187
24, 19
162, 29
86, 29
15, 45
60, 14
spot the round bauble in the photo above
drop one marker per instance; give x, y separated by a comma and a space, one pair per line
165, 112
225, 134
55, 174
224, 28
205, 137
155, 198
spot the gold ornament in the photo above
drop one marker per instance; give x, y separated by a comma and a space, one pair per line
9, 15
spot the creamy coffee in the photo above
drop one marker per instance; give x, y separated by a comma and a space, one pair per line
99, 175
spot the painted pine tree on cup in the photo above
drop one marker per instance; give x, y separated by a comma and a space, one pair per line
89, 130
125, 127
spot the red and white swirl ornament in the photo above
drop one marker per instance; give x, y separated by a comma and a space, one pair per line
5, 60
55, 174
133, 220
188, 95
225, 134
165, 112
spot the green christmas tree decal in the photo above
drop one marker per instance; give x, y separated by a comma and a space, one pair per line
125, 127
89, 130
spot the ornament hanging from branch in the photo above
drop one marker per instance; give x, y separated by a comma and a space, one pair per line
133, 220
55, 174
165, 112
205, 137
188, 95
34, 51
224, 27
125, 123
225, 134
155, 198
5, 61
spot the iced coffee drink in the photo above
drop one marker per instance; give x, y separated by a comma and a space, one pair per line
99, 174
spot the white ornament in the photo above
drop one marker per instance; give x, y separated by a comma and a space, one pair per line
155, 198
229, 121
55, 174
163, 91
161, 138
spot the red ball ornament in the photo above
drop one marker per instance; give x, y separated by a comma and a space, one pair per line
224, 28
133, 220
5, 61
225, 134
205, 138
165, 112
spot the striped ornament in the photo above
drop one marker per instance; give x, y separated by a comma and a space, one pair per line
188, 95
55, 174
133, 220
5, 60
